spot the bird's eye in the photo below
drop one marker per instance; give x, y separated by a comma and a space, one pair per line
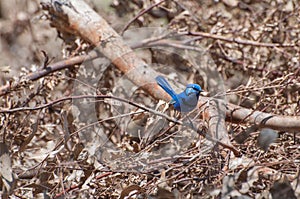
196, 89
189, 91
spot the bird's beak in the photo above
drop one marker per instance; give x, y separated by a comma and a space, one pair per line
204, 93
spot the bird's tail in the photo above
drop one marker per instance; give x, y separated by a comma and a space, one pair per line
162, 82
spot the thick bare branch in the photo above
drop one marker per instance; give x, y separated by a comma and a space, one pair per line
263, 120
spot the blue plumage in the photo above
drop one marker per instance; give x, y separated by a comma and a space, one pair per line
185, 101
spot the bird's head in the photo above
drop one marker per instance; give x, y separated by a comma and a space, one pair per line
193, 89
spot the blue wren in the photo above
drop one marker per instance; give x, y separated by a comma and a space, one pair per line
185, 101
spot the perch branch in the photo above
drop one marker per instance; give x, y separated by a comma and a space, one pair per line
263, 120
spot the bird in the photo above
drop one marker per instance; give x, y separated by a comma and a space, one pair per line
185, 101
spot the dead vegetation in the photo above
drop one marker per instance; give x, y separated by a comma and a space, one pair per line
77, 123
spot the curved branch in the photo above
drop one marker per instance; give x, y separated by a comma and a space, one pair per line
263, 120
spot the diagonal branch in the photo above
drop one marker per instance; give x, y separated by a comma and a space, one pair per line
78, 18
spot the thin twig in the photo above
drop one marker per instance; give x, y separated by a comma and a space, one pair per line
238, 41
140, 14
91, 97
